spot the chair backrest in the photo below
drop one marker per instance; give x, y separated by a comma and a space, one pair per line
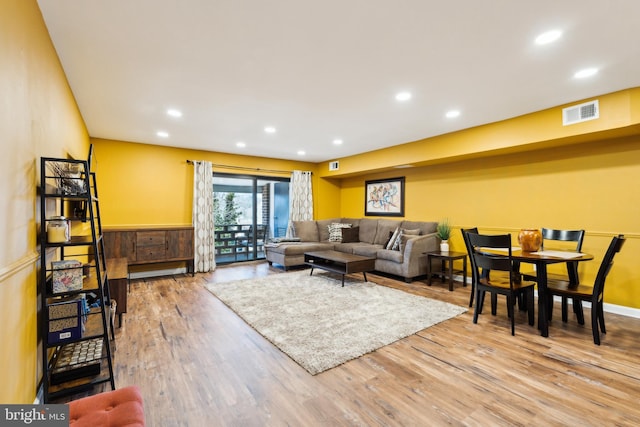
473, 230
605, 266
487, 261
576, 236
563, 236
464, 232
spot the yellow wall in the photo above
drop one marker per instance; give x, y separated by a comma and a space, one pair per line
38, 117
142, 184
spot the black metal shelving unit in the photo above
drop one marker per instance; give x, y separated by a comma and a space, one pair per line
75, 321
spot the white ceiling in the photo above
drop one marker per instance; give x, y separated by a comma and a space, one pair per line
318, 70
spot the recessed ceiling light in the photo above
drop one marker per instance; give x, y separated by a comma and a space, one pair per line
452, 114
174, 113
162, 134
587, 72
403, 96
301, 153
548, 37
240, 144
270, 129
337, 142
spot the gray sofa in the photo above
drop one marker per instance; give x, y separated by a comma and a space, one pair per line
367, 237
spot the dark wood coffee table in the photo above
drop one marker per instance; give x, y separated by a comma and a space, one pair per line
339, 262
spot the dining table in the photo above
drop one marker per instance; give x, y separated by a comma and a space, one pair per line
541, 259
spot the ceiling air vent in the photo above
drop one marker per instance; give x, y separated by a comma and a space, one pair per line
580, 113
334, 166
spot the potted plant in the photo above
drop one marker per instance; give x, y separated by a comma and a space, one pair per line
444, 232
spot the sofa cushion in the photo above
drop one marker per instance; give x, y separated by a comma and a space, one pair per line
346, 248
121, 407
351, 235
364, 249
300, 248
368, 230
395, 256
307, 231
335, 231
384, 227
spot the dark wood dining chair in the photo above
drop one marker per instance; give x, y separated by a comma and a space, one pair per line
473, 230
551, 237
579, 293
498, 279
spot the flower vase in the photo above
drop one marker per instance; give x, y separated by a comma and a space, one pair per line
530, 239
444, 246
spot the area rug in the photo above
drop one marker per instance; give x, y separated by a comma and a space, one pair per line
320, 324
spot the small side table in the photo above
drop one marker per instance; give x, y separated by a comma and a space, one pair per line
446, 267
118, 276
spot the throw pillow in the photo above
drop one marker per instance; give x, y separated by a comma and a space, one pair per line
351, 235
406, 232
397, 244
335, 231
393, 238
388, 240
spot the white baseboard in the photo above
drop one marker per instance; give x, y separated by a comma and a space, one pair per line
608, 308
619, 309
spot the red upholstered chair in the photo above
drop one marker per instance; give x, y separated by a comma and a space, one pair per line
122, 407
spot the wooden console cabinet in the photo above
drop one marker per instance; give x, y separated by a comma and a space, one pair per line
149, 245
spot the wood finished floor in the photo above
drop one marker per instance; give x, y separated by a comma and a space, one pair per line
198, 364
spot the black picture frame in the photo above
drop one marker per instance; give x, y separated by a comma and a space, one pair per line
384, 197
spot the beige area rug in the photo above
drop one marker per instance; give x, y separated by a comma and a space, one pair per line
320, 324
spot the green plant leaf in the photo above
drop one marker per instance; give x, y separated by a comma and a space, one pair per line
443, 230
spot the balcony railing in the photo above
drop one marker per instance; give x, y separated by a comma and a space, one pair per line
239, 242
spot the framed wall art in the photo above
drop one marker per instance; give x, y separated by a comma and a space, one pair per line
384, 197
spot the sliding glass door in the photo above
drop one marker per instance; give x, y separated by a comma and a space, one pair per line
248, 210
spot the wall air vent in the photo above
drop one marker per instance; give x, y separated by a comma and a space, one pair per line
580, 113
334, 166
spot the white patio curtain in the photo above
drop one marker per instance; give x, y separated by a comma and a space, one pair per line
204, 230
300, 199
